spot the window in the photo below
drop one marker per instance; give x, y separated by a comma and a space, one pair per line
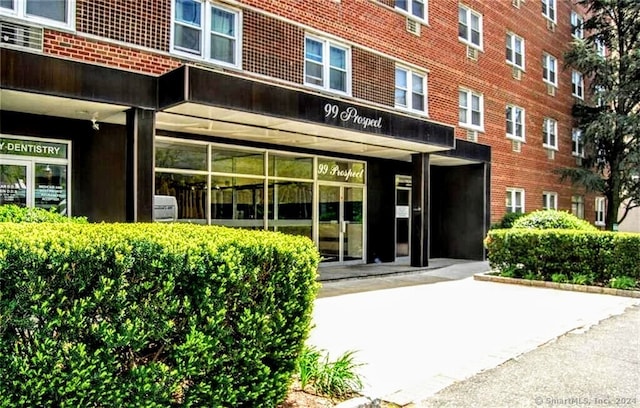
549, 200
326, 65
549, 9
576, 25
470, 109
515, 122
515, 200
550, 133
577, 85
600, 210
577, 206
470, 27
416, 8
207, 31
410, 90
601, 49
515, 50
58, 13
577, 143
549, 69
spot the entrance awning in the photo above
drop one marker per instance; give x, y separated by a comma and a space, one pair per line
210, 103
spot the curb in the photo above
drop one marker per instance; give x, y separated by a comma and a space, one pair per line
359, 402
487, 277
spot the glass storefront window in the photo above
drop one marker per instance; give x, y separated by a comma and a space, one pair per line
180, 155
290, 166
190, 192
51, 187
341, 171
237, 161
13, 184
237, 198
291, 207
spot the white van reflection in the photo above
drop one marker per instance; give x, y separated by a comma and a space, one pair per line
165, 208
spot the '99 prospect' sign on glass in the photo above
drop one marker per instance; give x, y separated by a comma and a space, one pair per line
342, 171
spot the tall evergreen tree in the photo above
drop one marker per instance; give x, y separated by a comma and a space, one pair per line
609, 58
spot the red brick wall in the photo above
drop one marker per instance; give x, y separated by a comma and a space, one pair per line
275, 48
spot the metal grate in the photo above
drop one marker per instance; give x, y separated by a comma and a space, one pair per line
472, 53
413, 26
22, 36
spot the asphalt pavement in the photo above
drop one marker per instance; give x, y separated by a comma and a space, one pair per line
417, 340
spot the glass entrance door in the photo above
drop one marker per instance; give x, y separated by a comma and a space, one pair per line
340, 223
14, 176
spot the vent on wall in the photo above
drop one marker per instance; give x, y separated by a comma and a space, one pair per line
413, 26
551, 154
551, 26
517, 3
551, 90
517, 73
516, 146
472, 135
19, 35
472, 53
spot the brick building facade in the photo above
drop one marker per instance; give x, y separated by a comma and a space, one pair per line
380, 129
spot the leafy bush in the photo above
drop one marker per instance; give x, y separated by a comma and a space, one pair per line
151, 315
552, 219
507, 220
623, 282
598, 255
14, 213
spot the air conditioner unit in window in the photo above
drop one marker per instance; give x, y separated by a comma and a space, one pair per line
472, 135
22, 36
516, 146
551, 154
551, 90
516, 73
413, 26
551, 26
472, 53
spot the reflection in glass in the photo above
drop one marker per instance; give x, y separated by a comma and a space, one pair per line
190, 192
177, 155
352, 248
236, 198
13, 187
237, 161
51, 187
292, 211
290, 166
329, 225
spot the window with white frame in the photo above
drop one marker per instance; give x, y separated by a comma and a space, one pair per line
410, 90
601, 49
417, 8
206, 31
549, 9
577, 206
515, 122
577, 143
515, 200
58, 13
577, 84
599, 94
327, 64
470, 26
550, 133
600, 210
576, 25
549, 200
515, 50
550, 69
470, 109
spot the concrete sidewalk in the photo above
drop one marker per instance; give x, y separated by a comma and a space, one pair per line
417, 340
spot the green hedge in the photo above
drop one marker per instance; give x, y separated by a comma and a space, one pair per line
14, 213
540, 254
150, 315
552, 219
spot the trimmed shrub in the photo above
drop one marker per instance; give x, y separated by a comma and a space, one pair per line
14, 213
552, 219
507, 220
151, 315
598, 255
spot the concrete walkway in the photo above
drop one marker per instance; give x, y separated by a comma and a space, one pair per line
416, 340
